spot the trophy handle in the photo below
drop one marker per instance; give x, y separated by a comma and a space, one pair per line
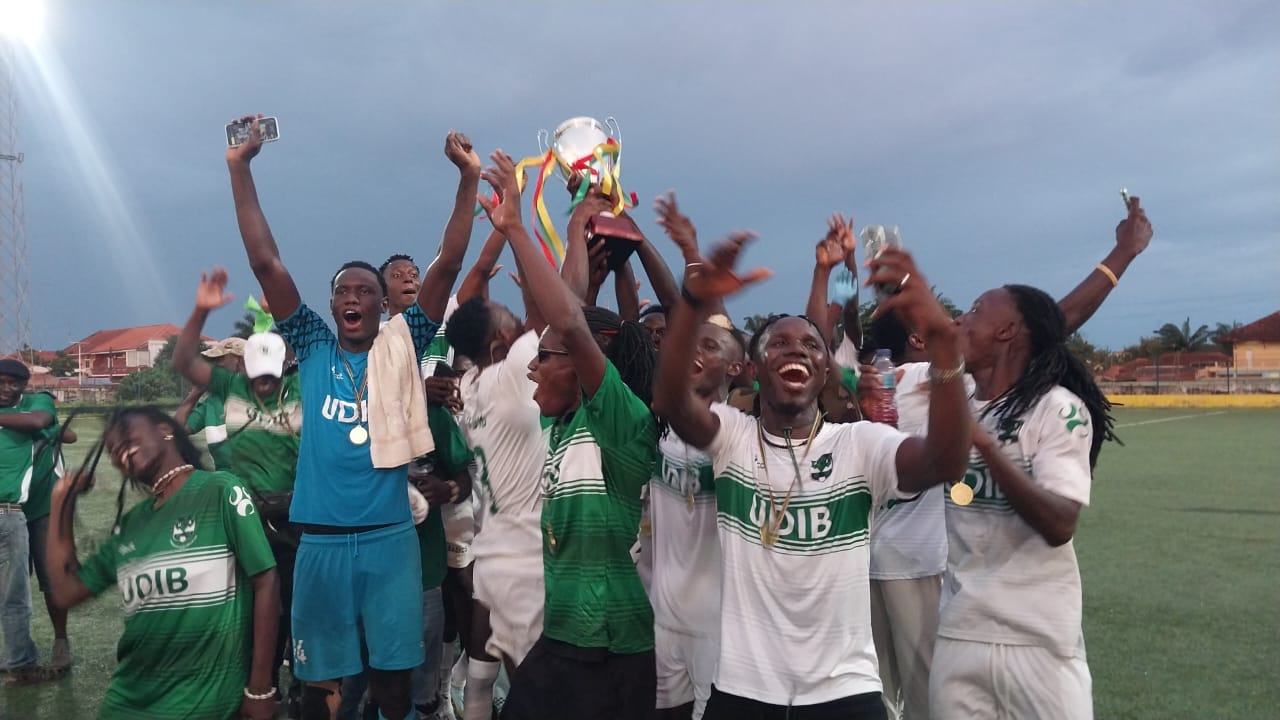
544, 141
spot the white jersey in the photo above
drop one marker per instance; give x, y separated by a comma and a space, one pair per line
795, 617
909, 538
1004, 583
501, 424
685, 586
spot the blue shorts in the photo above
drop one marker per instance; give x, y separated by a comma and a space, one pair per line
368, 583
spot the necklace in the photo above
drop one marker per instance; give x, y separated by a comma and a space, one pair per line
163, 481
281, 415
358, 435
770, 529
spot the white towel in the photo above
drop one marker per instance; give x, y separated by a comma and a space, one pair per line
398, 428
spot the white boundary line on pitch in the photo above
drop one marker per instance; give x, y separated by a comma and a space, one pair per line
1171, 419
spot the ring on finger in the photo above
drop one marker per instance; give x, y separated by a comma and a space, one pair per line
902, 283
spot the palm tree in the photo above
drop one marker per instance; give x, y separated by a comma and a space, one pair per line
1182, 339
244, 326
1222, 329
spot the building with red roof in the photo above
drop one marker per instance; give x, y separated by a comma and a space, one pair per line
1255, 346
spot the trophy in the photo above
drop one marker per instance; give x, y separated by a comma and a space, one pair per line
587, 152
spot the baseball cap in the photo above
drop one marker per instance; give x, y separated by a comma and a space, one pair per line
14, 368
230, 346
264, 355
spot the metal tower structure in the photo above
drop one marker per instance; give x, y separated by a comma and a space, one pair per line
15, 322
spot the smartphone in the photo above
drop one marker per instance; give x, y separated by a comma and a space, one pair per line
875, 238
238, 131
1124, 194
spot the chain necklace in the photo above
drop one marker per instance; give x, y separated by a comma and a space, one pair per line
281, 415
771, 527
358, 435
163, 481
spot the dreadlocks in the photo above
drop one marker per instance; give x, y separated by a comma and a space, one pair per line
627, 345
1051, 364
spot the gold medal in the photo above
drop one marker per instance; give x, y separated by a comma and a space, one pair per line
768, 535
688, 501
646, 527
961, 494
551, 540
358, 435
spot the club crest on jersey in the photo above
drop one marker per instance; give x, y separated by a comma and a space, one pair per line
242, 502
184, 531
821, 468
1075, 418
1008, 430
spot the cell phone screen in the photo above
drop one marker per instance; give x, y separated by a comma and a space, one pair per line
238, 132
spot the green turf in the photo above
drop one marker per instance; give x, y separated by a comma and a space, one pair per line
1179, 551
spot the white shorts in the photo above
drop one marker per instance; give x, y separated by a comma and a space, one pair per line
982, 680
514, 591
686, 667
459, 530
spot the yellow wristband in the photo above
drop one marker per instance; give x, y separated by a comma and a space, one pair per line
1110, 275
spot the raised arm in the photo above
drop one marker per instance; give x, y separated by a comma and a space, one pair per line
558, 304
577, 267
476, 282
437, 285
210, 295
1050, 514
706, 280
264, 257
30, 421
627, 292
831, 251
665, 290
67, 589
943, 453
1133, 234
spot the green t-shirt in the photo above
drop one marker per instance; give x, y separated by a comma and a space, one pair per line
210, 416
262, 433
597, 463
452, 456
46, 469
17, 450
184, 572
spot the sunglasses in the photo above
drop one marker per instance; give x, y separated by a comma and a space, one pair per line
544, 354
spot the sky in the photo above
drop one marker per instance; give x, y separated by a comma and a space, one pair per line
996, 135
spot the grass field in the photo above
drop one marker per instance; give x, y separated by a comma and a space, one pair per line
1180, 553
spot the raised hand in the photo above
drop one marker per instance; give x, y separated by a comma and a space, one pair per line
457, 147
249, 149
211, 292
829, 252
505, 215
713, 277
1133, 234
677, 225
913, 298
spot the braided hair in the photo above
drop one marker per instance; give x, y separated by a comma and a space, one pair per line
119, 421
1051, 364
628, 345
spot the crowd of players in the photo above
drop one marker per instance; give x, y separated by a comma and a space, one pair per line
636, 514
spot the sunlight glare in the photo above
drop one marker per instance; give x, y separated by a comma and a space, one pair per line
21, 20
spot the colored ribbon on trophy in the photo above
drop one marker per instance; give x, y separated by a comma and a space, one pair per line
544, 228
262, 320
594, 165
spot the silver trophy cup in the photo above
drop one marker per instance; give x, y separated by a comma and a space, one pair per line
577, 138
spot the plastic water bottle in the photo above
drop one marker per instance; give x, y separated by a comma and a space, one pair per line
883, 409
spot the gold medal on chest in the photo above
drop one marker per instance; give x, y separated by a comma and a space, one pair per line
768, 535
961, 494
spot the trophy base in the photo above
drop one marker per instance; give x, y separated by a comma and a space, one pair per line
620, 236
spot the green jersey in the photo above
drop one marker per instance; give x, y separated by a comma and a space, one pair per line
183, 570
452, 456
262, 433
17, 450
210, 416
596, 464
46, 469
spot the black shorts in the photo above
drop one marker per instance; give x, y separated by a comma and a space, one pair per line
723, 706
558, 680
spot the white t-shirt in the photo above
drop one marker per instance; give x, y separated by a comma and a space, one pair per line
1004, 583
685, 585
501, 424
909, 538
795, 618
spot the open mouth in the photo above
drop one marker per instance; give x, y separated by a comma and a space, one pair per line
351, 319
794, 376
697, 366
409, 293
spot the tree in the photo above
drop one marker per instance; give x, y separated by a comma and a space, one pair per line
1220, 330
753, 323
160, 381
947, 304
244, 326
63, 365
1183, 339
1087, 353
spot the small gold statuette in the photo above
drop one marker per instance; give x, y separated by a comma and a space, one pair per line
961, 494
